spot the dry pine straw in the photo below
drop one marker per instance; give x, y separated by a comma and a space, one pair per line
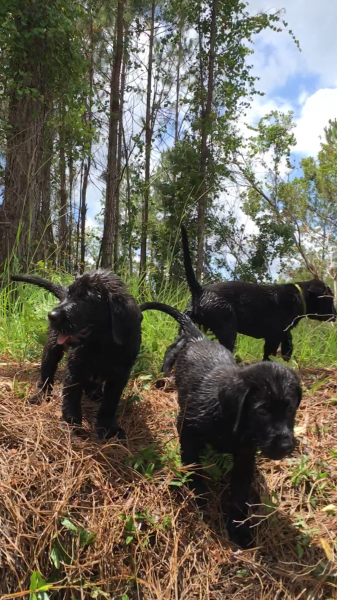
47, 473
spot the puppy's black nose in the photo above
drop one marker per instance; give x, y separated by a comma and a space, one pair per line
286, 445
53, 316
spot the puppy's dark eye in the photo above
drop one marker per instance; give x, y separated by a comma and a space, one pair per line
262, 411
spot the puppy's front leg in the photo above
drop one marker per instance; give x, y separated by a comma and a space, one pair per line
72, 394
51, 356
106, 423
241, 480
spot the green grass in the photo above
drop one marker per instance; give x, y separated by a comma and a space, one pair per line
23, 326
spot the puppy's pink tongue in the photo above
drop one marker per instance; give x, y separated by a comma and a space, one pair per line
62, 338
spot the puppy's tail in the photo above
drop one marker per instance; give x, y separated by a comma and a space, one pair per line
194, 285
55, 288
188, 327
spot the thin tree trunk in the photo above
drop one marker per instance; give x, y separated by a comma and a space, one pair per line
148, 145
128, 204
84, 212
78, 224
176, 121
204, 137
71, 213
63, 200
46, 248
112, 168
87, 164
119, 156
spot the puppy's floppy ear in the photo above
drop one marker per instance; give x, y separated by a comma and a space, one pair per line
241, 397
117, 333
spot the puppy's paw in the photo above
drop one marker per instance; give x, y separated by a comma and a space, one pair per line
240, 535
111, 431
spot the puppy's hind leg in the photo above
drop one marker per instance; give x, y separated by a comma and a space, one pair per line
51, 356
107, 426
72, 394
270, 346
191, 448
226, 334
241, 480
287, 345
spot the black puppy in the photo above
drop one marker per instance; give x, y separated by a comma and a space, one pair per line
100, 324
260, 311
236, 410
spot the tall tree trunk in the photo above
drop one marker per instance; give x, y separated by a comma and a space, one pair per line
78, 224
63, 201
87, 164
206, 112
112, 168
176, 120
148, 145
71, 213
128, 204
84, 211
119, 154
24, 156
46, 245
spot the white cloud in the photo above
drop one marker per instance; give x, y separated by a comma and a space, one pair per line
277, 58
315, 114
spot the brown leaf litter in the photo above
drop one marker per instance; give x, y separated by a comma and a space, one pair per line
149, 541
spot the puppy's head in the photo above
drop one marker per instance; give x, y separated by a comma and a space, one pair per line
319, 300
91, 306
266, 408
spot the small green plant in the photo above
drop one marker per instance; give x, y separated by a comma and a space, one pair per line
38, 587
303, 472
146, 461
215, 464
304, 536
142, 524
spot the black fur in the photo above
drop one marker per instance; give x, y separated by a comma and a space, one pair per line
235, 409
260, 311
100, 324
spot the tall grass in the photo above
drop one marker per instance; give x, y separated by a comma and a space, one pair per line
23, 327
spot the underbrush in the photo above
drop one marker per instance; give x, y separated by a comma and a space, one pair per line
23, 327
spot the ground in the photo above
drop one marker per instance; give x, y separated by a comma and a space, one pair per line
116, 521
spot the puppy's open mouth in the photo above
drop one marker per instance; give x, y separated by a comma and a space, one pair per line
66, 338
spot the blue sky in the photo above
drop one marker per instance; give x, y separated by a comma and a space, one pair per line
305, 82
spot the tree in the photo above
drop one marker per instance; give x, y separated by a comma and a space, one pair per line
301, 210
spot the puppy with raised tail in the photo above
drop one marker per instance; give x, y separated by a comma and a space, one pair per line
99, 324
237, 410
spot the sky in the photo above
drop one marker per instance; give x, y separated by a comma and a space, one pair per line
304, 82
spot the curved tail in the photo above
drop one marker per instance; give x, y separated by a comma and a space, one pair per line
194, 285
184, 321
55, 288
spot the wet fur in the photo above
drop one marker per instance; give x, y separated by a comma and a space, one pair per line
260, 311
99, 362
235, 409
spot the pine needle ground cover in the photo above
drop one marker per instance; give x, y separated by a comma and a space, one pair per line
81, 519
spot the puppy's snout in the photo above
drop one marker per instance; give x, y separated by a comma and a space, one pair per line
286, 444
53, 316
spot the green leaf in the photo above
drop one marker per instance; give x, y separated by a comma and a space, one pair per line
69, 525
38, 587
86, 537
129, 539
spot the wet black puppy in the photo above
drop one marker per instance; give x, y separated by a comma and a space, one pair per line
260, 311
236, 410
99, 323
